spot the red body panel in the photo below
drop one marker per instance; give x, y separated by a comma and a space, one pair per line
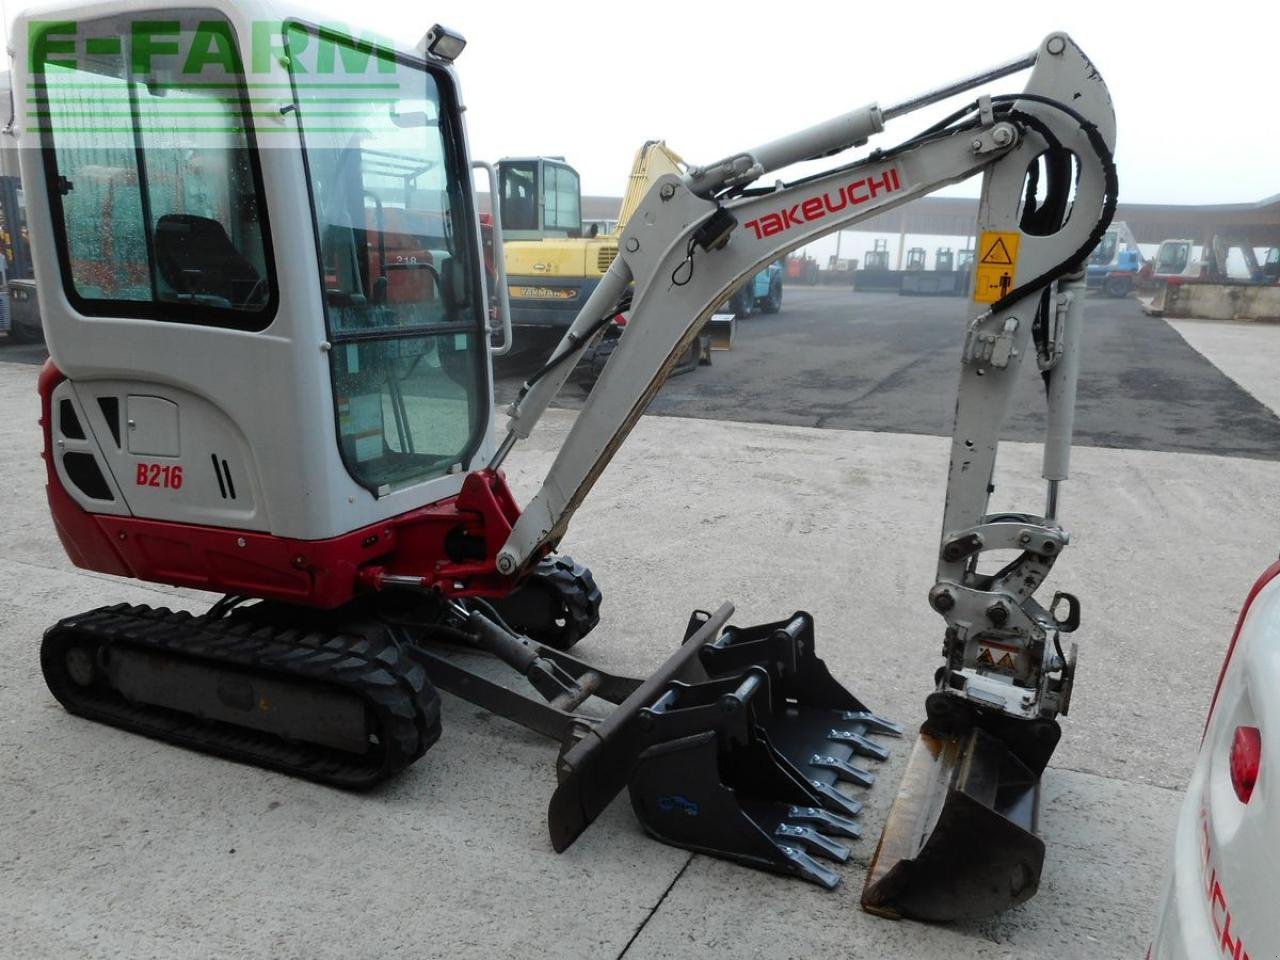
86, 543
317, 573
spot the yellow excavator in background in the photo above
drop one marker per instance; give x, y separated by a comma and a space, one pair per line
553, 264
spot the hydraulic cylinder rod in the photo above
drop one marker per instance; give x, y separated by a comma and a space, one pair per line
959, 86
852, 129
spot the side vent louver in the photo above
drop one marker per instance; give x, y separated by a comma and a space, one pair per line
110, 407
68, 422
226, 486
83, 471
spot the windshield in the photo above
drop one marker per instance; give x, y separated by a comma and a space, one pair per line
1105, 252
398, 261
1173, 257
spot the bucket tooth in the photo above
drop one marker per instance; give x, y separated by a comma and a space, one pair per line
872, 722
810, 869
862, 746
843, 769
813, 841
830, 823
833, 799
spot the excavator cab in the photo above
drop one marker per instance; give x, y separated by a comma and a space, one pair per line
261, 282
539, 197
203, 234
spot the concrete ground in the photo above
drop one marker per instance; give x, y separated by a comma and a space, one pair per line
112, 846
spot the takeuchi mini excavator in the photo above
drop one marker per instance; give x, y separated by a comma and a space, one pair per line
261, 277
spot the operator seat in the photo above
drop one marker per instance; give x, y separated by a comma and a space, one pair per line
196, 257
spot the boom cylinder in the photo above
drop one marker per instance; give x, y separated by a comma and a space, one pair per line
526, 411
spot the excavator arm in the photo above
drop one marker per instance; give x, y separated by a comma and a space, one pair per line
689, 243
1048, 195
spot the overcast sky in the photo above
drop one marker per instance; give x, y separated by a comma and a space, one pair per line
1194, 84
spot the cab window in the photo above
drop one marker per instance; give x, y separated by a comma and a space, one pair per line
1106, 250
155, 189
561, 204
519, 187
1173, 257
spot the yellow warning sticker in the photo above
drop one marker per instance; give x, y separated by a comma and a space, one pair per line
998, 656
997, 265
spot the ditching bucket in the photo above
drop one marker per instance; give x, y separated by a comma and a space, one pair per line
960, 841
734, 752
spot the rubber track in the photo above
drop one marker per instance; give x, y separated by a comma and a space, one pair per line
404, 704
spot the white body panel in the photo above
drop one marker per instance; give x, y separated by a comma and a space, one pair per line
273, 386
1221, 896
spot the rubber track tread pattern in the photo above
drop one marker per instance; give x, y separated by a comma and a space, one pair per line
573, 585
404, 704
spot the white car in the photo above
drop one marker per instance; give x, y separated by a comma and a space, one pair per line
1223, 899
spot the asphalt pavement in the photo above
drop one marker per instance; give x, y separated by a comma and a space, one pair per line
13, 352
838, 359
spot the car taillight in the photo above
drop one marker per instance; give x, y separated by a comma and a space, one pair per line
1246, 758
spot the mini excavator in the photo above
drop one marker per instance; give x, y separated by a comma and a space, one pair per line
262, 285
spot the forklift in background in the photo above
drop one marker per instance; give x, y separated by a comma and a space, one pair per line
802, 268
877, 258
942, 281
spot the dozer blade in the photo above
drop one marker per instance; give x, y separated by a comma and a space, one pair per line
738, 756
960, 841
592, 769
